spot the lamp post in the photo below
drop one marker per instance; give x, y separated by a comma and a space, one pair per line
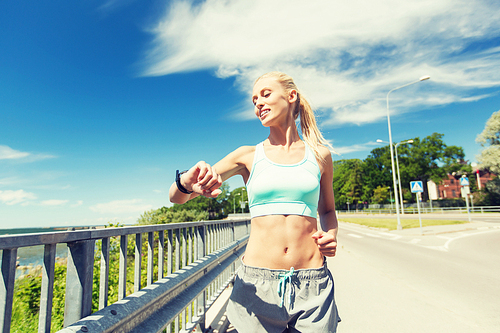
397, 166
390, 192
242, 198
423, 78
399, 175
234, 207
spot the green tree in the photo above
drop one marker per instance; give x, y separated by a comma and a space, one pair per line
489, 158
424, 159
378, 169
235, 198
348, 182
381, 195
167, 215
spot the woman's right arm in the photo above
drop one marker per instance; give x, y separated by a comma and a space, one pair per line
204, 179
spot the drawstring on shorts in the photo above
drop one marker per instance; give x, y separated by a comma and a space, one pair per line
284, 278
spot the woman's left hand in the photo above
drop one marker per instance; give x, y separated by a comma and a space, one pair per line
327, 243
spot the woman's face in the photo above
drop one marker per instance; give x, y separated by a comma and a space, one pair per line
272, 104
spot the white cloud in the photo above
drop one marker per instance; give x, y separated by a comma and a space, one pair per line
9, 180
345, 56
121, 207
53, 202
78, 203
7, 153
357, 147
10, 197
111, 5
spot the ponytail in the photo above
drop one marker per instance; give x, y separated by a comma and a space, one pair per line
309, 128
310, 131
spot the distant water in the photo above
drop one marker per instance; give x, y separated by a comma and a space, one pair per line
17, 231
33, 255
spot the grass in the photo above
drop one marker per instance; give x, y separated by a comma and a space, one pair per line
391, 224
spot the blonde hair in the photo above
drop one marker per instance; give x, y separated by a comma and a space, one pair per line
310, 131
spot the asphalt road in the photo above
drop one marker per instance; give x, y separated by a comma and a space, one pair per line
447, 280
476, 217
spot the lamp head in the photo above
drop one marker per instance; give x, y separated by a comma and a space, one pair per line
423, 78
409, 141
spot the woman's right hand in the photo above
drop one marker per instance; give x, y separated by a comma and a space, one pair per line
202, 179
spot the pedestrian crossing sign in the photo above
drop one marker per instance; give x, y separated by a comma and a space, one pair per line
464, 181
416, 186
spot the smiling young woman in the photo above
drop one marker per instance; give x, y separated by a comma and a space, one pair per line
283, 283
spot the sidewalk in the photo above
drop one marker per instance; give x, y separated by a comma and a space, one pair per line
436, 229
343, 259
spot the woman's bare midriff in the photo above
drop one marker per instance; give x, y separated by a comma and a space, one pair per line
282, 242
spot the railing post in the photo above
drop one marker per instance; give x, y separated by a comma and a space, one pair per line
122, 279
47, 289
169, 252
79, 276
151, 251
201, 236
233, 238
138, 262
161, 254
104, 277
8, 277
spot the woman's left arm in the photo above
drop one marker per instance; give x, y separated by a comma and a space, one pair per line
326, 238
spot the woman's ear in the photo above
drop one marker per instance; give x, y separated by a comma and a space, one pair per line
292, 96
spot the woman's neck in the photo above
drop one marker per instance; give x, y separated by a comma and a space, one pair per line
284, 136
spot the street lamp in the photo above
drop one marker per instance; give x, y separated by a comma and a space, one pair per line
390, 192
399, 175
242, 198
234, 207
397, 166
423, 78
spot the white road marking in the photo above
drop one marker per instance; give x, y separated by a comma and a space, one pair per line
443, 237
373, 235
355, 236
446, 246
438, 248
394, 237
415, 240
483, 228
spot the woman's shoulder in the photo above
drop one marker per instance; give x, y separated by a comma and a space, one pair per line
326, 157
324, 151
242, 155
244, 150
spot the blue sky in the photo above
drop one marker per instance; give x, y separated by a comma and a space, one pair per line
101, 101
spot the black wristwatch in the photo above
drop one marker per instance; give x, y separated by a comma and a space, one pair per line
178, 182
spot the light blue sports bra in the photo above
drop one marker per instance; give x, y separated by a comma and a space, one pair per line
283, 189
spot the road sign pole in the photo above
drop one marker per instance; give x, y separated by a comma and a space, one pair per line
419, 217
464, 181
467, 204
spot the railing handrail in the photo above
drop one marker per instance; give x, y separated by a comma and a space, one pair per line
425, 210
159, 303
56, 237
179, 244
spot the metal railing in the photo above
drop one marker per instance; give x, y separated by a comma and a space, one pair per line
413, 210
200, 262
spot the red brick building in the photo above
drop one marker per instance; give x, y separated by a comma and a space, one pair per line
450, 188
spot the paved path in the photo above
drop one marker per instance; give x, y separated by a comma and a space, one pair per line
404, 282
401, 281
475, 217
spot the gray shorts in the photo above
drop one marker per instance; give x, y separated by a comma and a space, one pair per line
306, 297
